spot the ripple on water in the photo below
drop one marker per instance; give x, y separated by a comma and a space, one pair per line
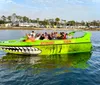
11, 77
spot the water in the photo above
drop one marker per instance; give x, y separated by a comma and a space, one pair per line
73, 69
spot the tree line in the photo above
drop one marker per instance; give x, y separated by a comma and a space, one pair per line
57, 21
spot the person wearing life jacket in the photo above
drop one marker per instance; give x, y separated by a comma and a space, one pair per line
64, 36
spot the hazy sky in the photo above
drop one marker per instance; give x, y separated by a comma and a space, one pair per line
66, 9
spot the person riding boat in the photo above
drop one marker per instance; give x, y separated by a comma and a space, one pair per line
48, 36
33, 34
37, 36
30, 38
45, 36
64, 36
42, 37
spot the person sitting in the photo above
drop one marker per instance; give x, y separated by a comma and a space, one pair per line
33, 34
60, 36
54, 36
46, 37
66, 35
45, 34
42, 37
30, 38
38, 36
49, 37
63, 35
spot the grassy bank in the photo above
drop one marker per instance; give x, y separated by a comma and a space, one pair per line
30, 28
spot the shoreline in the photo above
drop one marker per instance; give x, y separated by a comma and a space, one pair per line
68, 29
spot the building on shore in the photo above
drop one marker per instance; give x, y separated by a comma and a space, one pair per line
93, 26
25, 24
78, 27
6, 25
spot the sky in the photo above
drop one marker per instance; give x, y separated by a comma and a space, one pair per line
77, 10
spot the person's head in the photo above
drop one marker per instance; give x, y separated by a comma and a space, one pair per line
38, 35
32, 31
52, 33
42, 35
66, 33
60, 33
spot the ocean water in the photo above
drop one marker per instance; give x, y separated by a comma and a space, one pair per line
72, 69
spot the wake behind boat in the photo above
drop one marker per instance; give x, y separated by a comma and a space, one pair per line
76, 44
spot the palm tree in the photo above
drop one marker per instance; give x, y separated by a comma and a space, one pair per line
82, 23
38, 21
9, 18
63, 23
87, 24
94, 23
3, 18
18, 18
25, 19
57, 20
13, 18
51, 22
71, 23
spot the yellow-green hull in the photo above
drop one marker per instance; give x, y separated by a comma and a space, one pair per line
48, 47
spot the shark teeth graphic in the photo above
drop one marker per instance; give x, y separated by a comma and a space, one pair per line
25, 50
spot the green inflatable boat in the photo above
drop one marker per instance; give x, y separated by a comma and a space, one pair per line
49, 47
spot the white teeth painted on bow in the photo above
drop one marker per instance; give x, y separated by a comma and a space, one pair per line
7, 48
16, 51
31, 52
29, 48
19, 50
36, 49
17, 47
3, 47
26, 50
32, 49
13, 50
36, 52
23, 51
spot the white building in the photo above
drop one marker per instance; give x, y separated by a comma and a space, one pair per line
28, 24
6, 25
81, 26
93, 26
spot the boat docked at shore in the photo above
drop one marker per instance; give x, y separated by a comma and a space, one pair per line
49, 47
